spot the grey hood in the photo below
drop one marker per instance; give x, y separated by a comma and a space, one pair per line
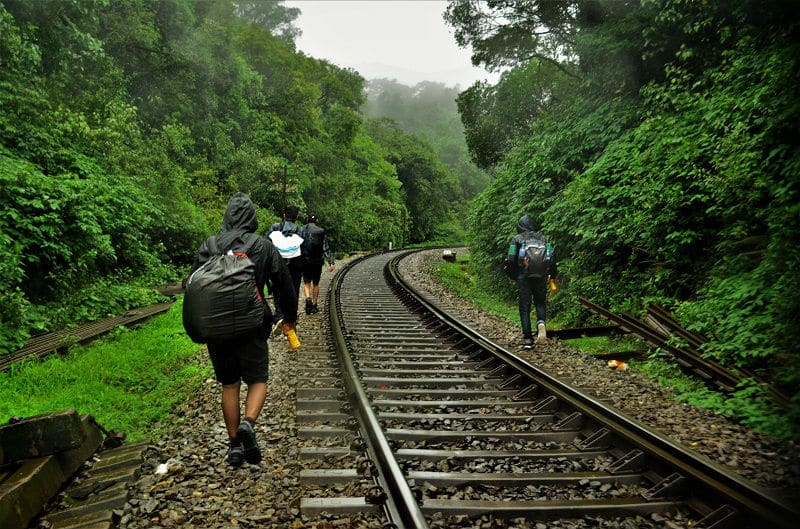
525, 224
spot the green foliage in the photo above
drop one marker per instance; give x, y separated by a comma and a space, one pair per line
272, 16
494, 116
663, 207
667, 171
449, 233
64, 230
503, 34
128, 381
428, 186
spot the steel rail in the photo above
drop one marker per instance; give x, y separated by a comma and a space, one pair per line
755, 505
402, 507
43, 345
711, 372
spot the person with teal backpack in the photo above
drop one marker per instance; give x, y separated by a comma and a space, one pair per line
530, 262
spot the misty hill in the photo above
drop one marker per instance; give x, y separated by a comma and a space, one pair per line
428, 110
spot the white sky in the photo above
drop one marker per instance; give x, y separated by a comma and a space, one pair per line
406, 40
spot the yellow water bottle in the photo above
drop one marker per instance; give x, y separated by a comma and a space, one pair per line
294, 341
552, 283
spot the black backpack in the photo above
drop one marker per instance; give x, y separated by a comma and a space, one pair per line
534, 256
222, 301
312, 242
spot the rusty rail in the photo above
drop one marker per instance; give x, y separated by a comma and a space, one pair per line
45, 344
689, 358
672, 326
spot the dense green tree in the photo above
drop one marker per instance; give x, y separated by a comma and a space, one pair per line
125, 126
428, 187
495, 115
664, 166
273, 16
504, 33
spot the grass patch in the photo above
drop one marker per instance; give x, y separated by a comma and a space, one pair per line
461, 277
605, 344
128, 381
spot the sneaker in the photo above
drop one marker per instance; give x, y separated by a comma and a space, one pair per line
314, 309
541, 337
277, 328
247, 435
309, 306
235, 456
527, 343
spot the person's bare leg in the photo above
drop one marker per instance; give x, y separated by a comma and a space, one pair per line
315, 296
254, 402
307, 289
230, 408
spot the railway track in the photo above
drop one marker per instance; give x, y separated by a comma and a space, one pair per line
43, 345
436, 426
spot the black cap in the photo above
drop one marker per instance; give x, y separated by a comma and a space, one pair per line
312, 217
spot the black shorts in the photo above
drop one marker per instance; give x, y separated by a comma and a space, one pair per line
312, 271
245, 359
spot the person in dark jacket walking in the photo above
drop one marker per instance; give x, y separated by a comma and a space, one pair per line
246, 358
292, 256
315, 251
532, 281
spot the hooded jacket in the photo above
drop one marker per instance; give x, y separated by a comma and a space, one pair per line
238, 234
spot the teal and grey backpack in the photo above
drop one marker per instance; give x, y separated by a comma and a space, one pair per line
534, 257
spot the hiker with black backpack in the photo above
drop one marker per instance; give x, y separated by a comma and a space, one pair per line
530, 262
316, 251
224, 307
287, 237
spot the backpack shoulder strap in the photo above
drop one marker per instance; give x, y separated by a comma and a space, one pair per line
292, 229
212, 245
251, 242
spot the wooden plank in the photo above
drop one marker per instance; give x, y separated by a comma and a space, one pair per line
36, 481
40, 435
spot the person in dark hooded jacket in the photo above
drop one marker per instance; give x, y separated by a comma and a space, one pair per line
530, 288
316, 251
246, 359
